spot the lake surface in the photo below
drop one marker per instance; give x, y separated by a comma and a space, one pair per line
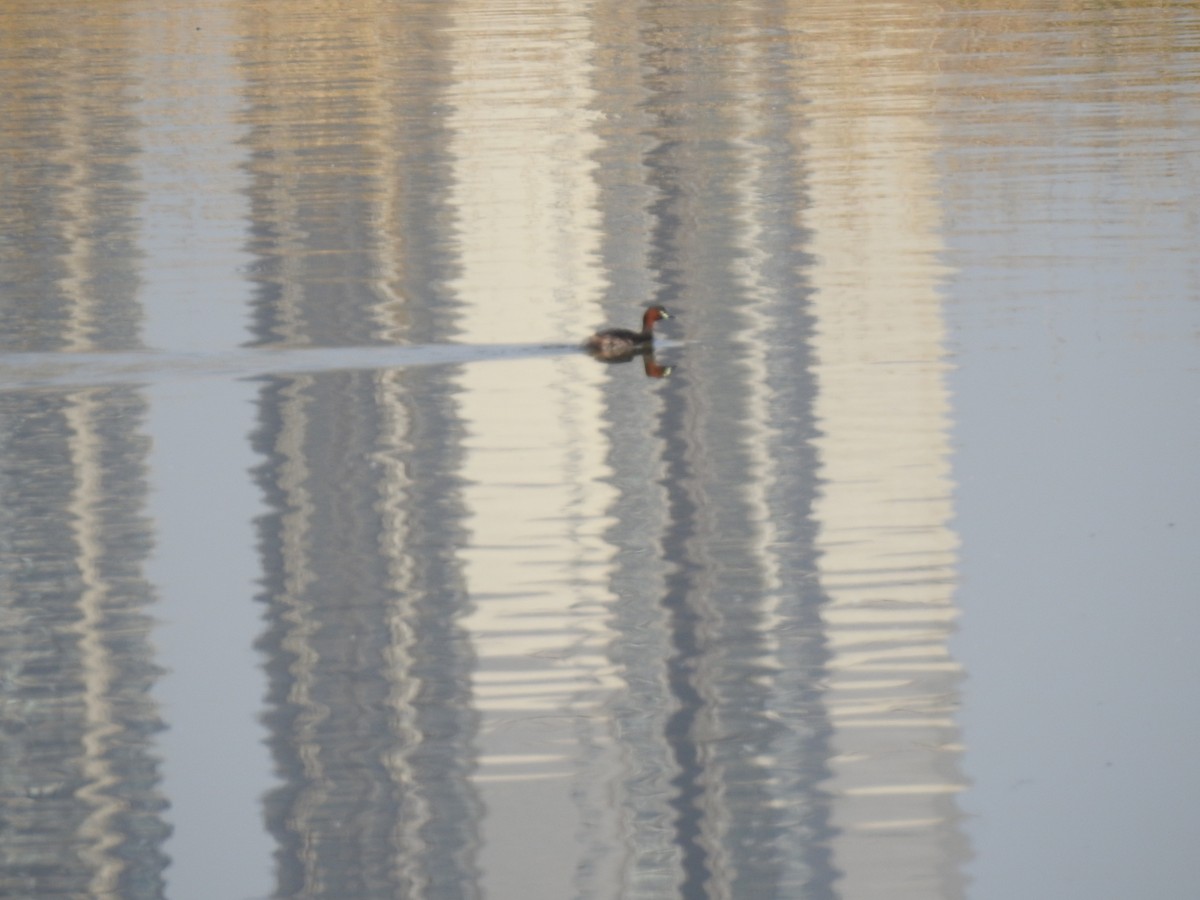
329, 567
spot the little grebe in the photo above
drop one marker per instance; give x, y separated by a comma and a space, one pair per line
621, 343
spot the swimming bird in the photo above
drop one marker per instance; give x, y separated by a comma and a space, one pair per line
621, 343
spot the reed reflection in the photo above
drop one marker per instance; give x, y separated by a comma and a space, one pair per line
68, 136
80, 784
527, 202
82, 809
370, 715
887, 553
745, 731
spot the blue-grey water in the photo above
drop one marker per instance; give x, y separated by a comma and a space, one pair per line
329, 567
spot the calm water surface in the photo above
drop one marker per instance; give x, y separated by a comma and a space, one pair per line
329, 568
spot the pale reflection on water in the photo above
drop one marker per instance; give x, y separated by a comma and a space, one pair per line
331, 567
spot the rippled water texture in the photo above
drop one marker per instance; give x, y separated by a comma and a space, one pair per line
330, 567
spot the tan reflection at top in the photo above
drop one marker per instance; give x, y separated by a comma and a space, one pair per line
887, 563
68, 136
525, 200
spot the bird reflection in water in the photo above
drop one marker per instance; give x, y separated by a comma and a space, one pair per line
654, 369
